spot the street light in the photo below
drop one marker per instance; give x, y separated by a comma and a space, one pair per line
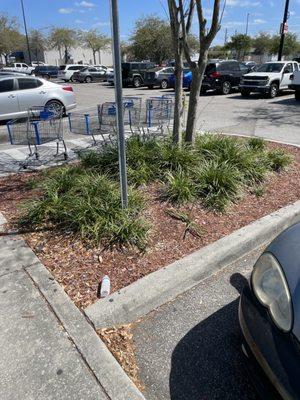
114, 15
283, 29
26, 33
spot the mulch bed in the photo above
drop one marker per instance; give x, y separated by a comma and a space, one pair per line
79, 269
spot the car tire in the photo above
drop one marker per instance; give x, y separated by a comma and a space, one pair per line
56, 106
88, 79
72, 79
225, 88
150, 86
297, 94
273, 91
47, 77
164, 84
137, 82
245, 92
203, 92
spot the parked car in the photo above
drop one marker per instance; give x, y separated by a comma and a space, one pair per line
295, 85
158, 77
250, 65
133, 73
186, 80
90, 74
66, 71
46, 71
19, 67
269, 315
221, 76
270, 78
37, 63
11, 73
19, 93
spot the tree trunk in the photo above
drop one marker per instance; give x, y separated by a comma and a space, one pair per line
197, 76
94, 56
5, 58
99, 57
178, 106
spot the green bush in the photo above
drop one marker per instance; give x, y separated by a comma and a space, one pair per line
279, 159
257, 144
178, 187
89, 204
218, 184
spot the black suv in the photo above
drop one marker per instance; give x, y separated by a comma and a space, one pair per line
46, 71
133, 73
222, 76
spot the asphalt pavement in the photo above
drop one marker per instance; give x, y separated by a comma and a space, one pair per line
190, 349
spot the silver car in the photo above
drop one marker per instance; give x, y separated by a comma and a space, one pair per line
19, 93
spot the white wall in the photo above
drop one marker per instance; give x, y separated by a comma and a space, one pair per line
79, 54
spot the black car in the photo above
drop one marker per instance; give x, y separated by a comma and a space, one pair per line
269, 315
158, 77
46, 71
133, 73
223, 76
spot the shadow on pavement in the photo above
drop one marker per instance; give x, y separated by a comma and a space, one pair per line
207, 364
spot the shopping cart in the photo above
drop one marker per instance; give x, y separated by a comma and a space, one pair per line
159, 114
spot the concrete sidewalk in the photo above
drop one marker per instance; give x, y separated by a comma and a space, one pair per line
48, 349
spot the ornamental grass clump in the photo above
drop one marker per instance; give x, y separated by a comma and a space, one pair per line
89, 204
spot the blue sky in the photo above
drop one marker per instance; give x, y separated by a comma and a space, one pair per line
265, 15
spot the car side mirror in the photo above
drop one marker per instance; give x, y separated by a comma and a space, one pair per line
287, 71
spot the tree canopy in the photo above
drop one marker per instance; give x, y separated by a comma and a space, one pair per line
240, 43
10, 37
95, 41
63, 39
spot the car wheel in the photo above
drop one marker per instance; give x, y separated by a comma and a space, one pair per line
72, 79
56, 107
297, 95
137, 82
273, 91
47, 77
226, 88
245, 92
88, 79
164, 84
203, 92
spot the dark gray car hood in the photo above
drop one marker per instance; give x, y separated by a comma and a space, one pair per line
286, 248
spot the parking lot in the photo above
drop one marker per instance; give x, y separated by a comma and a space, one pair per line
275, 119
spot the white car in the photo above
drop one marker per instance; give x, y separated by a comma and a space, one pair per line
269, 78
19, 93
19, 67
295, 85
66, 71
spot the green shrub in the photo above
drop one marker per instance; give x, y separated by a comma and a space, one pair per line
178, 187
279, 159
218, 184
257, 144
105, 161
89, 204
175, 157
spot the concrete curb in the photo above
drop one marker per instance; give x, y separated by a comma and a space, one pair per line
164, 285
109, 374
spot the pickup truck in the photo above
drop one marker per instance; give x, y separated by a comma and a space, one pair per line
270, 78
19, 67
295, 85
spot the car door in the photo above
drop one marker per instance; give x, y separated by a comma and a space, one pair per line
95, 74
9, 106
287, 75
31, 93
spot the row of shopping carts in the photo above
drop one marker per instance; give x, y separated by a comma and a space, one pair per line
43, 125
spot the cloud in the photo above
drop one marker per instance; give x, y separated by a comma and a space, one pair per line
84, 3
243, 3
100, 24
292, 13
259, 21
78, 21
65, 10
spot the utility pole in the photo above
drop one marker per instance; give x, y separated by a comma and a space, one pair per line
226, 33
283, 29
26, 33
114, 15
247, 23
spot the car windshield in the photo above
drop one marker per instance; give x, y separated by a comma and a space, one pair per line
84, 69
270, 67
62, 67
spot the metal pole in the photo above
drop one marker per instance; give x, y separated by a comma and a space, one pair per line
114, 15
26, 33
247, 24
285, 18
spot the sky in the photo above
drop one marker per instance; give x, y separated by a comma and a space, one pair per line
264, 15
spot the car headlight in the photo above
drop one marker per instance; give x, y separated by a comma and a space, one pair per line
271, 289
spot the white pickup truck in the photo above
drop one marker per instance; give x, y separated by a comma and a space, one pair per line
295, 85
270, 78
19, 67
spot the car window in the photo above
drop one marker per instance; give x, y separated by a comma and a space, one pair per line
25, 84
62, 67
92, 70
296, 67
134, 66
18, 65
244, 67
270, 67
39, 83
24, 65
6, 85
288, 68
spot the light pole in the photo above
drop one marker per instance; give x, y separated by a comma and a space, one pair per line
26, 33
114, 15
283, 31
247, 23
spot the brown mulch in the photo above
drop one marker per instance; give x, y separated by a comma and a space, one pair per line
80, 269
119, 341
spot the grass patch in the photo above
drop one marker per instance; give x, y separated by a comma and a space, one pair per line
279, 159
